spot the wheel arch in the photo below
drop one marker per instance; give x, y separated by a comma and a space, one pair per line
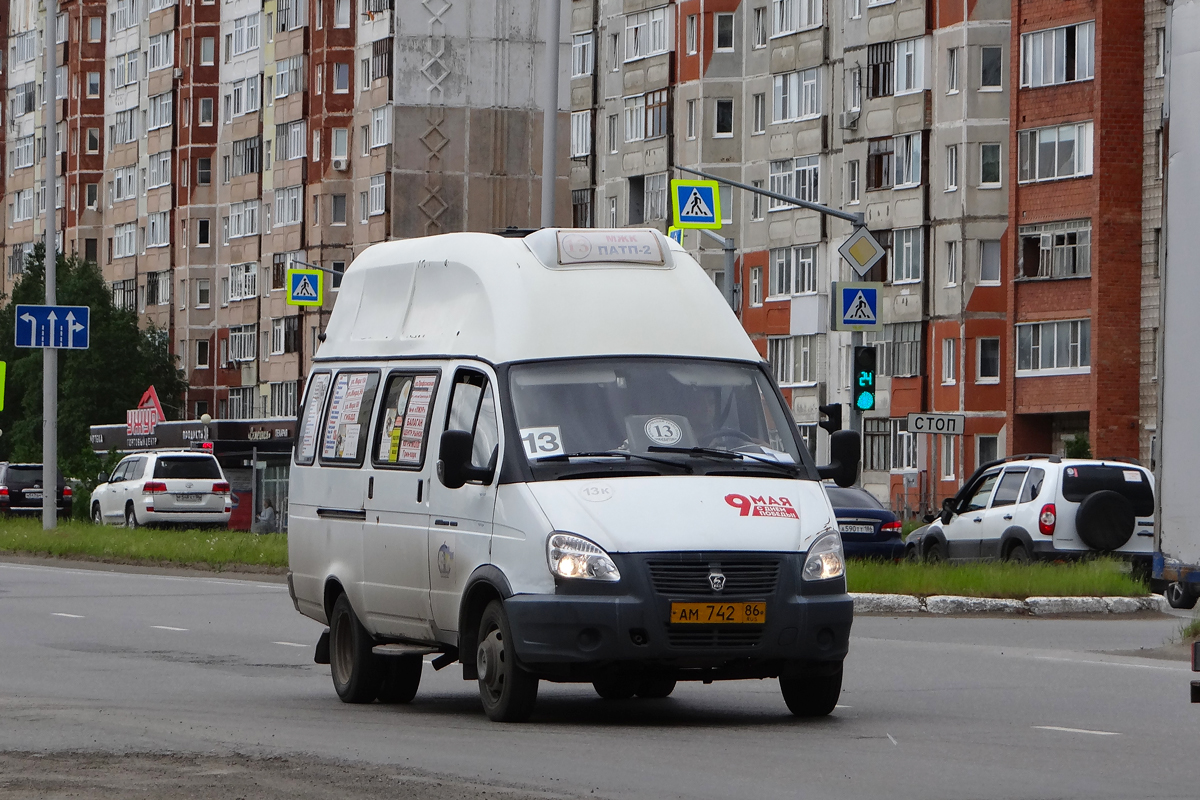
932, 537
333, 589
1012, 535
486, 583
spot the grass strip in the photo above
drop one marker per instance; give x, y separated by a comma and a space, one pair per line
1190, 632
214, 549
1099, 577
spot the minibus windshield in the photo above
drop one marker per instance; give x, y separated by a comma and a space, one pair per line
724, 414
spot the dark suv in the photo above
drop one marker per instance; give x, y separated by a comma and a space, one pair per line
21, 490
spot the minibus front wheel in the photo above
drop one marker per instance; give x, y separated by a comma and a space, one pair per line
507, 691
814, 692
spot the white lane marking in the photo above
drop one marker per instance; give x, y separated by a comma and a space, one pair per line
893, 741
68, 616
839, 705
1074, 730
167, 628
290, 644
1106, 663
117, 573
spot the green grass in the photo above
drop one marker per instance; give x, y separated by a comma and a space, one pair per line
211, 549
1098, 577
1190, 632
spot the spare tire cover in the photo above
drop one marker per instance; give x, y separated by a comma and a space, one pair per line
1105, 520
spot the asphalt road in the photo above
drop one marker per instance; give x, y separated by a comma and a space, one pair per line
109, 662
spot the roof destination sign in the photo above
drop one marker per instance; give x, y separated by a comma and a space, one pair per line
945, 424
581, 247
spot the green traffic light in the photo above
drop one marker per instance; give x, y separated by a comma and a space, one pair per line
865, 401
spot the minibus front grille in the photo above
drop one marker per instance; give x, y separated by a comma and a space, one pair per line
743, 577
714, 637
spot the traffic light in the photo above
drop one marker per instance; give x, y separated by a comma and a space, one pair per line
833, 417
864, 378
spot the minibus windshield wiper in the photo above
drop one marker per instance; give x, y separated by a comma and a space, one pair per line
618, 454
730, 455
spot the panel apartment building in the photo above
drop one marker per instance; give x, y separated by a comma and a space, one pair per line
896, 109
203, 142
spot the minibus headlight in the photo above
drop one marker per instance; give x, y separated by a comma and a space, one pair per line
572, 556
825, 559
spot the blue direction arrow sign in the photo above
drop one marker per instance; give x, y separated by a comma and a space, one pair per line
62, 327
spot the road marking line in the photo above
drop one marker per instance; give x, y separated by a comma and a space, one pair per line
167, 628
69, 616
1106, 663
290, 644
893, 741
1074, 730
839, 705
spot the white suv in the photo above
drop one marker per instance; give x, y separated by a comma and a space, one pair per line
1043, 507
173, 486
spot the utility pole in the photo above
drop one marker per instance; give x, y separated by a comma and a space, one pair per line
49, 354
550, 119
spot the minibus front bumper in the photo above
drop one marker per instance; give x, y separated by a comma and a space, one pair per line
587, 628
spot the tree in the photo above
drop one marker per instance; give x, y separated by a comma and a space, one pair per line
95, 386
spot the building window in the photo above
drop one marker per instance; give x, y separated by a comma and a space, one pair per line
635, 118
243, 282
948, 453
852, 181
952, 168
988, 367
158, 232
910, 66
655, 202
1063, 151
1056, 249
808, 178
900, 348
612, 212
92, 195
951, 263
795, 15
241, 400
723, 123
202, 354
904, 446
581, 208
1055, 55
581, 134
782, 173
378, 193
1054, 347
906, 255
760, 27
853, 78
582, 54
690, 35
880, 61
949, 361
125, 240
612, 133
341, 13
989, 263
691, 119
797, 96
160, 111
781, 275
283, 395
205, 114
95, 29
908, 160
93, 140
877, 435
952, 70
646, 34
880, 154
991, 68
656, 114
208, 51
756, 204
202, 233
202, 292
203, 171
93, 85
338, 209
289, 206
724, 32
781, 355
339, 269
989, 165
760, 113
1160, 52
756, 293
989, 449
162, 51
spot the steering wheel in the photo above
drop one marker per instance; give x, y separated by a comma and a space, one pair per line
726, 433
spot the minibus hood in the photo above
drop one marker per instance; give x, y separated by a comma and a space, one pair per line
689, 512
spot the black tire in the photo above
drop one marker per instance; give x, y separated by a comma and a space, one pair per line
912, 555
616, 688
507, 691
1180, 596
401, 678
356, 671
1017, 554
934, 553
656, 688
812, 695
1105, 520
97, 517
130, 516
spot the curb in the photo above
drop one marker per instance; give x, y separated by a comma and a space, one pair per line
890, 604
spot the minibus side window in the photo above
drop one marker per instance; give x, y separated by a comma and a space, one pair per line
402, 433
344, 434
473, 409
310, 418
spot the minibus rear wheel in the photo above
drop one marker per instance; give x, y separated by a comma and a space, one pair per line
812, 695
401, 678
508, 692
355, 669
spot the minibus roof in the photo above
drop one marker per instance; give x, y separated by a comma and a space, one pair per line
556, 293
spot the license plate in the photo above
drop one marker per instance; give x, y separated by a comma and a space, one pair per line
856, 528
718, 613
188, 498
31, 494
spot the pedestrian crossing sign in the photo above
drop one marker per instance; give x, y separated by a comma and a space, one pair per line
856, 306
305, 287
697, 204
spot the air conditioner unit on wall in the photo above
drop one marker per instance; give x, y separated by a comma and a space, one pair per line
341, 164
849, 120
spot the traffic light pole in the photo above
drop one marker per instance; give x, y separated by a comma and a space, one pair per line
732, 284
857, 219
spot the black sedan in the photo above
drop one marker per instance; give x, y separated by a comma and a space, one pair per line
868, 529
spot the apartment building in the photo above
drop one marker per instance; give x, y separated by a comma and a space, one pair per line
1154, 162
204, 143
1075, 282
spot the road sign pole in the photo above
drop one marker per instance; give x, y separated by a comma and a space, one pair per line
49, 354
731, 281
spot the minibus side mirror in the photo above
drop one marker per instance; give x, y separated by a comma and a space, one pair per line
844, 454
454, 461
101, 478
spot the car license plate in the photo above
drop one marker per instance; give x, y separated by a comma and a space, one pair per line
718, 613
856, 528
33, 494
188, 498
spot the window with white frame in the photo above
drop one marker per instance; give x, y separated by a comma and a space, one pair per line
1058, 55
289, 76
243, 36
22, 152
381, 126
21, 99
760, 27
158, 229
781, 276
790, 16
378, 192
289, 206
289, 14
806, 269
987, 367
158, 288
125, 240
907, 160
723, 118
247, 156
581, 133
124, 71
756, 289
781, 176
793, 270
877, 440
240, 404
808, 178
904, 445
124, 127
853, 78
162, 51
283, 394
756, 202
289, 140
952, 168
952, 70
655, 200
646, 33
988, 447
123, 16
202, 293
690, 129
951, 263
243, 281
243, 346
949, 451
910, 66
1054, 347
635, 118
1056, 249
1062, 151
724, 33
759, 102
781, 355
949, 361
124, 184
245, 97
160, 110
25, 47
583, 54
691, 39
989, 164
160, 169
906, 255
243, 219
806, 359
22, 207
277, 336
991, 69
853, 181
989, 262
797, 95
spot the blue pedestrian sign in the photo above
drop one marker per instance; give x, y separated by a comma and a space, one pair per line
61, 327
305, 287
697, 204
856, 306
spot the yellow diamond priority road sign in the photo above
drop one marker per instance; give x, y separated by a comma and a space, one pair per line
862, 251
